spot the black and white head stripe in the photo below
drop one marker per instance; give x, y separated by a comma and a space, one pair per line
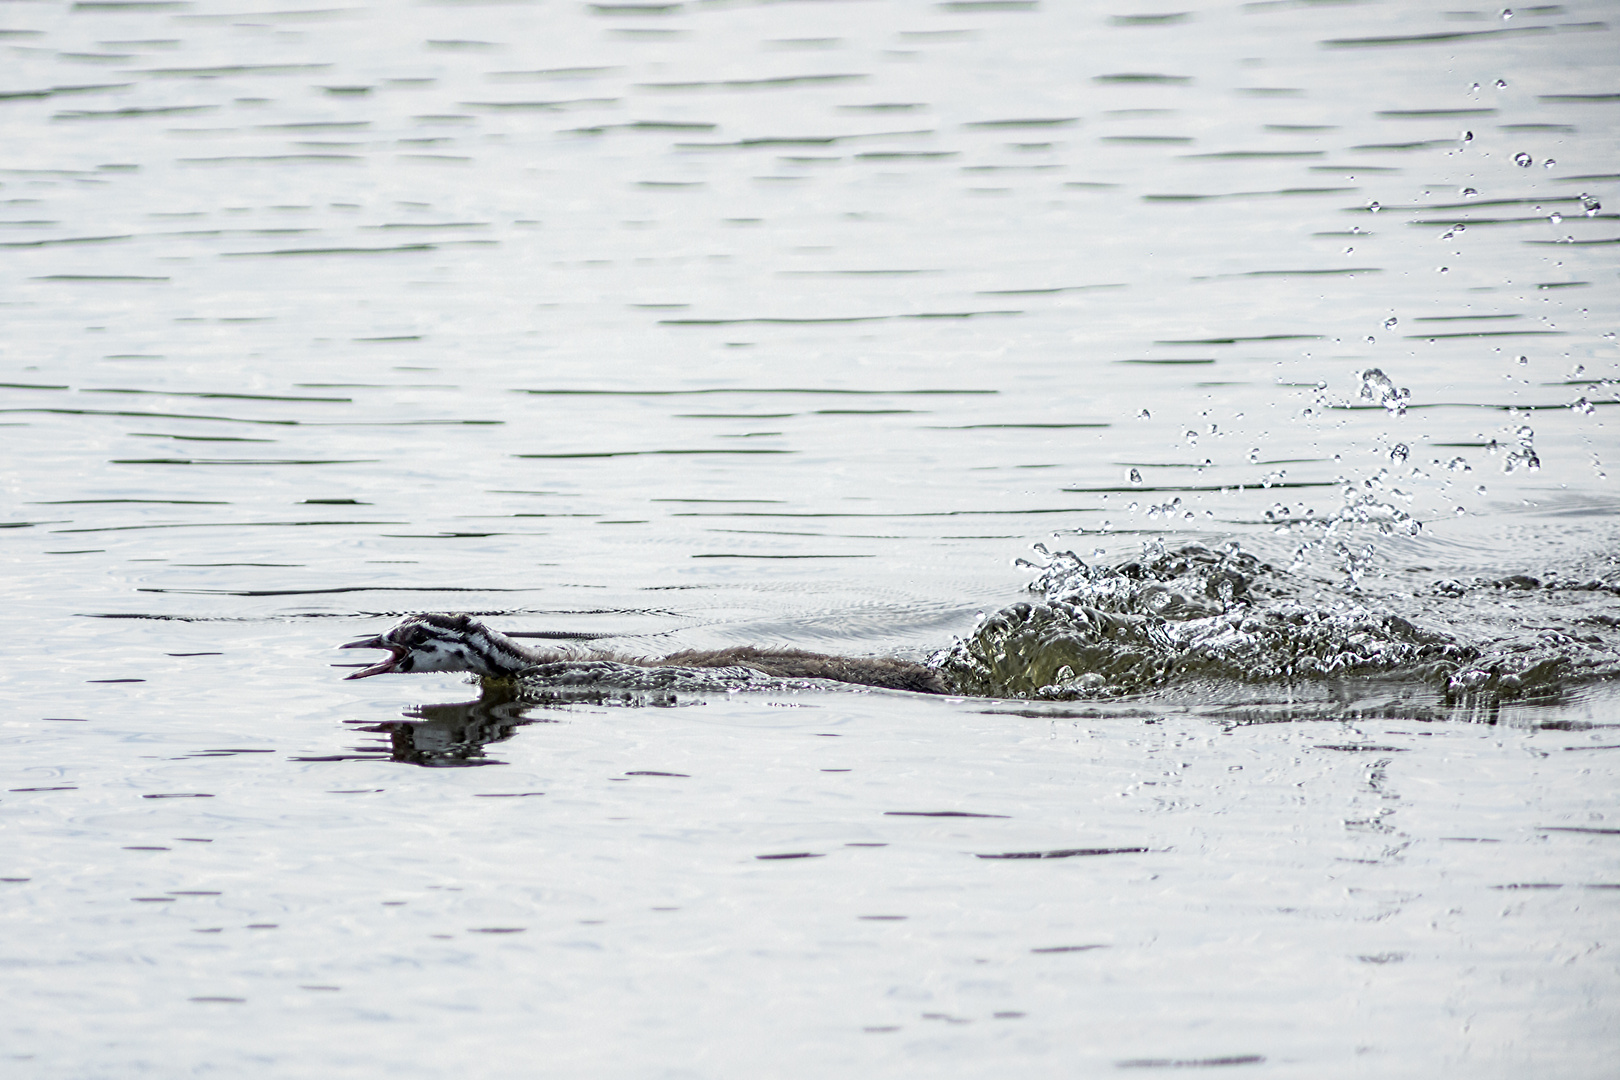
445, 643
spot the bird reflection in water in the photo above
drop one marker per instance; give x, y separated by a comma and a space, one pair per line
454, 734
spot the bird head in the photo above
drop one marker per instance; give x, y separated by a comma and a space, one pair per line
439, 643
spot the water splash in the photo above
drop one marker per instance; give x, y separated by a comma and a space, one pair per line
1197, 621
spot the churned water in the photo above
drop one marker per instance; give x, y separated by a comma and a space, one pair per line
1217, 396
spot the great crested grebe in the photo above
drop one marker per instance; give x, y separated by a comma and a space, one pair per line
434, 642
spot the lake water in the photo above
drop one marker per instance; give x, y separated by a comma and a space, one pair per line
683, 325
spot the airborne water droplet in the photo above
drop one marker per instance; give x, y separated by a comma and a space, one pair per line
1377, 388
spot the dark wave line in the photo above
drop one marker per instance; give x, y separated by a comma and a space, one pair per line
20, 95
1488, 333
1241, 340
223, 525
208, 394
64, 241
1430, 39
328, 251
152, 415
132, 112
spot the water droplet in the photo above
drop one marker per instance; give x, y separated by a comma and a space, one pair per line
1523, 160
1445, 270
1377, 387
1144, 415
1457, 464
1507, 13
1389, 323
1136, 477
1590, 205
1584, 407
1374, 207
1523, 360
1468, 136
1371, 340
1480, 490
1501, 84
1469, 193
1556, 218
1549, 163
1398, 453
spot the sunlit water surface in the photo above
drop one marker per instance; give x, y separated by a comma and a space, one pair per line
693, 324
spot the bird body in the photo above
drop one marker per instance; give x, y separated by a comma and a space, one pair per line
435, 642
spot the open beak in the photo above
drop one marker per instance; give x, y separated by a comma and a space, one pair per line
381, 668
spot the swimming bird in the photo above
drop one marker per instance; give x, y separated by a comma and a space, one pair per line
436, 642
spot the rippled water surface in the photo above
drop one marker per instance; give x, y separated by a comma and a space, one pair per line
1285, 329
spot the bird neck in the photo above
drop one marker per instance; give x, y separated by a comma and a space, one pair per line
500, 657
